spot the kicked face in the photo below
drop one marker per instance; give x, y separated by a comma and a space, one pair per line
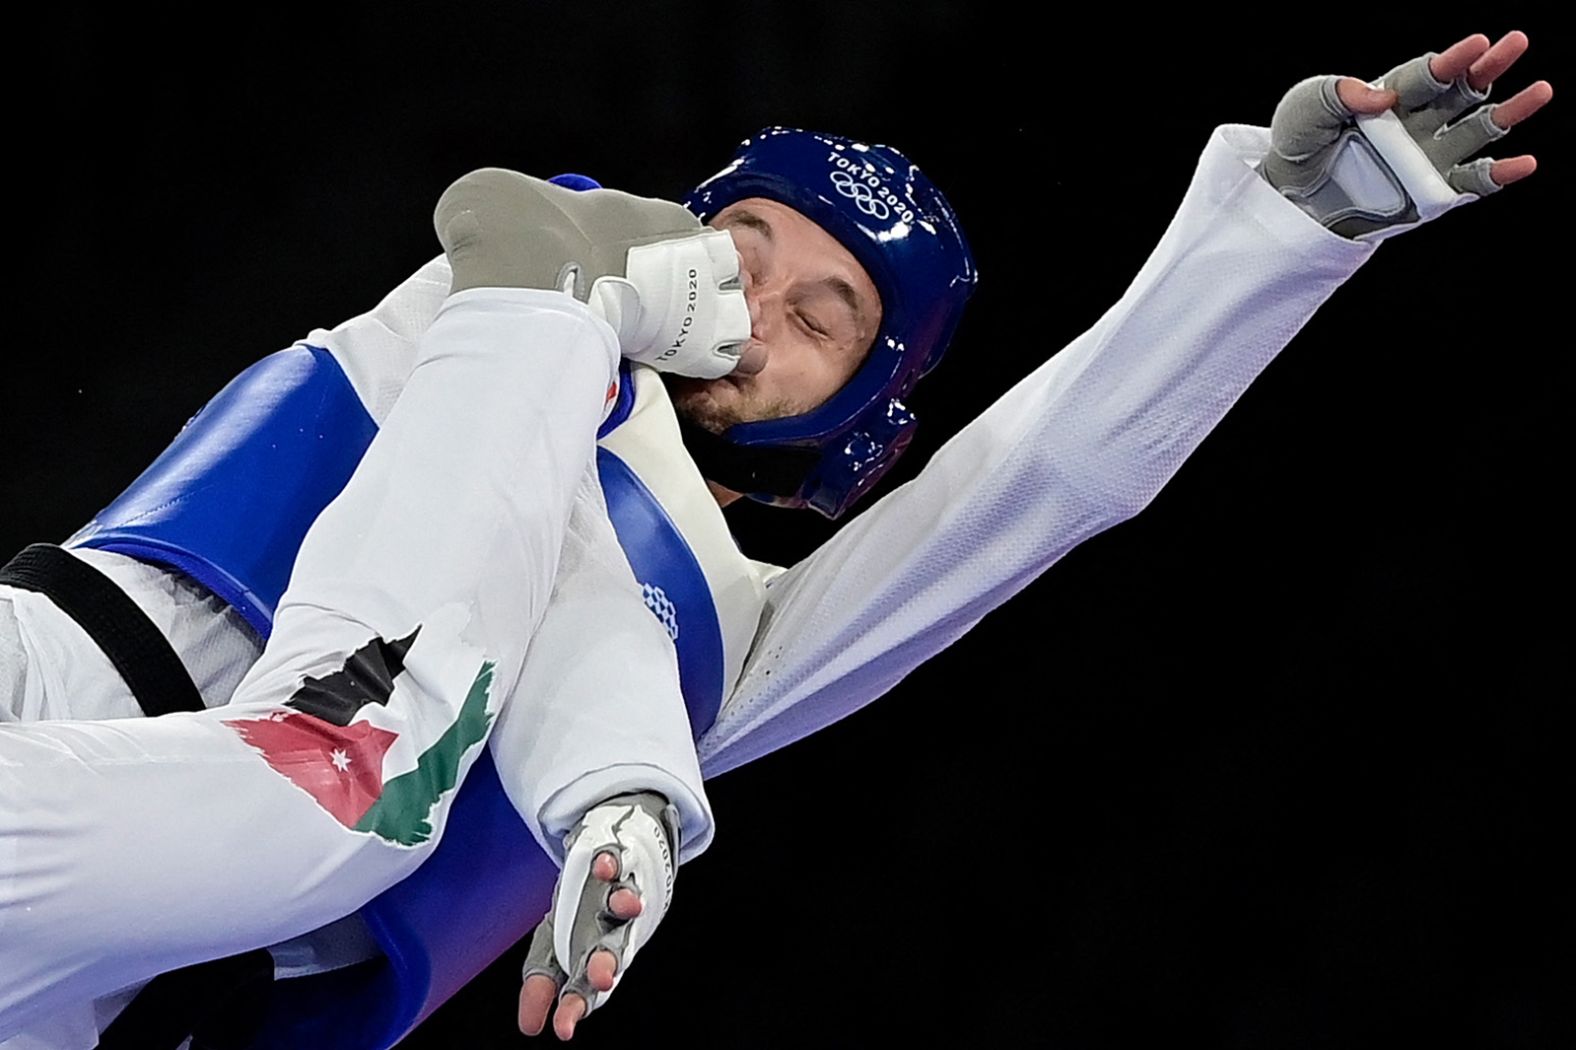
814, 313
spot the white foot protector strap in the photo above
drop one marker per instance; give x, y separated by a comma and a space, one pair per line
681, 308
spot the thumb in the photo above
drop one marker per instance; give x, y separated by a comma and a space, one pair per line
1360, 98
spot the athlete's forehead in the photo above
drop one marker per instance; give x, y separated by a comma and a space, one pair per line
814, 255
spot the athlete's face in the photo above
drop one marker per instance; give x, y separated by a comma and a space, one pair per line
814, 313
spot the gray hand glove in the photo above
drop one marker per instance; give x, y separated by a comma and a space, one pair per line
1368, 177
667, 285
642, 831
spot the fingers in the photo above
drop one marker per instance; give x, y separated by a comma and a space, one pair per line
538, 994
542, 978
624, 902
1360, 98
536, 999
618, 856
1487, 175
1493, 62
1513, 169
753, 360
539, 991
601, 968
1471, 134
570, 1010
1483, 64
1458, 57
1436, 90
1523, 104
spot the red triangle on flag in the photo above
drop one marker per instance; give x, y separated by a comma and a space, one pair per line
340, 766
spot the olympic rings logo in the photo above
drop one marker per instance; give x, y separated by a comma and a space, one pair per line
863, 196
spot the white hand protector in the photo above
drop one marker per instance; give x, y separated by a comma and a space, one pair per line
681, 306
1369, 177
642, 831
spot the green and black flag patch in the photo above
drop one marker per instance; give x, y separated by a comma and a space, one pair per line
342, 761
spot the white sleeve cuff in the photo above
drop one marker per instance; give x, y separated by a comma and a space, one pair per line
564, 808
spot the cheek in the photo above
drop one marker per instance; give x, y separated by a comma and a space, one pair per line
801, 374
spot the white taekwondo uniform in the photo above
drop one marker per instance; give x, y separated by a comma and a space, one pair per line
1083, 442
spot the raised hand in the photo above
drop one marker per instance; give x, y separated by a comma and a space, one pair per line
615, 887
1369, 160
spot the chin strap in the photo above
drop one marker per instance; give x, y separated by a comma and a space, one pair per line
776, 471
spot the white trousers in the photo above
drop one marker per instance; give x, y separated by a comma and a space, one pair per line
133, 846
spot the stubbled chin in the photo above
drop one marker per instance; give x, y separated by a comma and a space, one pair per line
711, 391
712, 403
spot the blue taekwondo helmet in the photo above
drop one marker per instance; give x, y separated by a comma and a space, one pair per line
875, 202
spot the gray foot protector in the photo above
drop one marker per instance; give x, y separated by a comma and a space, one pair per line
641, 830
1369, 177
667, 285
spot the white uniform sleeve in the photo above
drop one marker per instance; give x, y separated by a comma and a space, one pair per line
598, 710
1085, 441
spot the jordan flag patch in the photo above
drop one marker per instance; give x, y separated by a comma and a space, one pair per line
336, 738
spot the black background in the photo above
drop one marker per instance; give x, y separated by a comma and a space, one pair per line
1278, 763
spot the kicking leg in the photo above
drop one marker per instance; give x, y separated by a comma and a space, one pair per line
135, 846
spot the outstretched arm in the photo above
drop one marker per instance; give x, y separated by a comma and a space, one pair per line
1083, 442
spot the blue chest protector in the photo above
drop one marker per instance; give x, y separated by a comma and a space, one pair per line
228, 503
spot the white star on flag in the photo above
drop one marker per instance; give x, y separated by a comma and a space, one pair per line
340, 759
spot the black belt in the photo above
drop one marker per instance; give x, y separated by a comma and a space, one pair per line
219, 1003
144, 658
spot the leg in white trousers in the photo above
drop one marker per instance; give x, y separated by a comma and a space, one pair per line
135, 846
